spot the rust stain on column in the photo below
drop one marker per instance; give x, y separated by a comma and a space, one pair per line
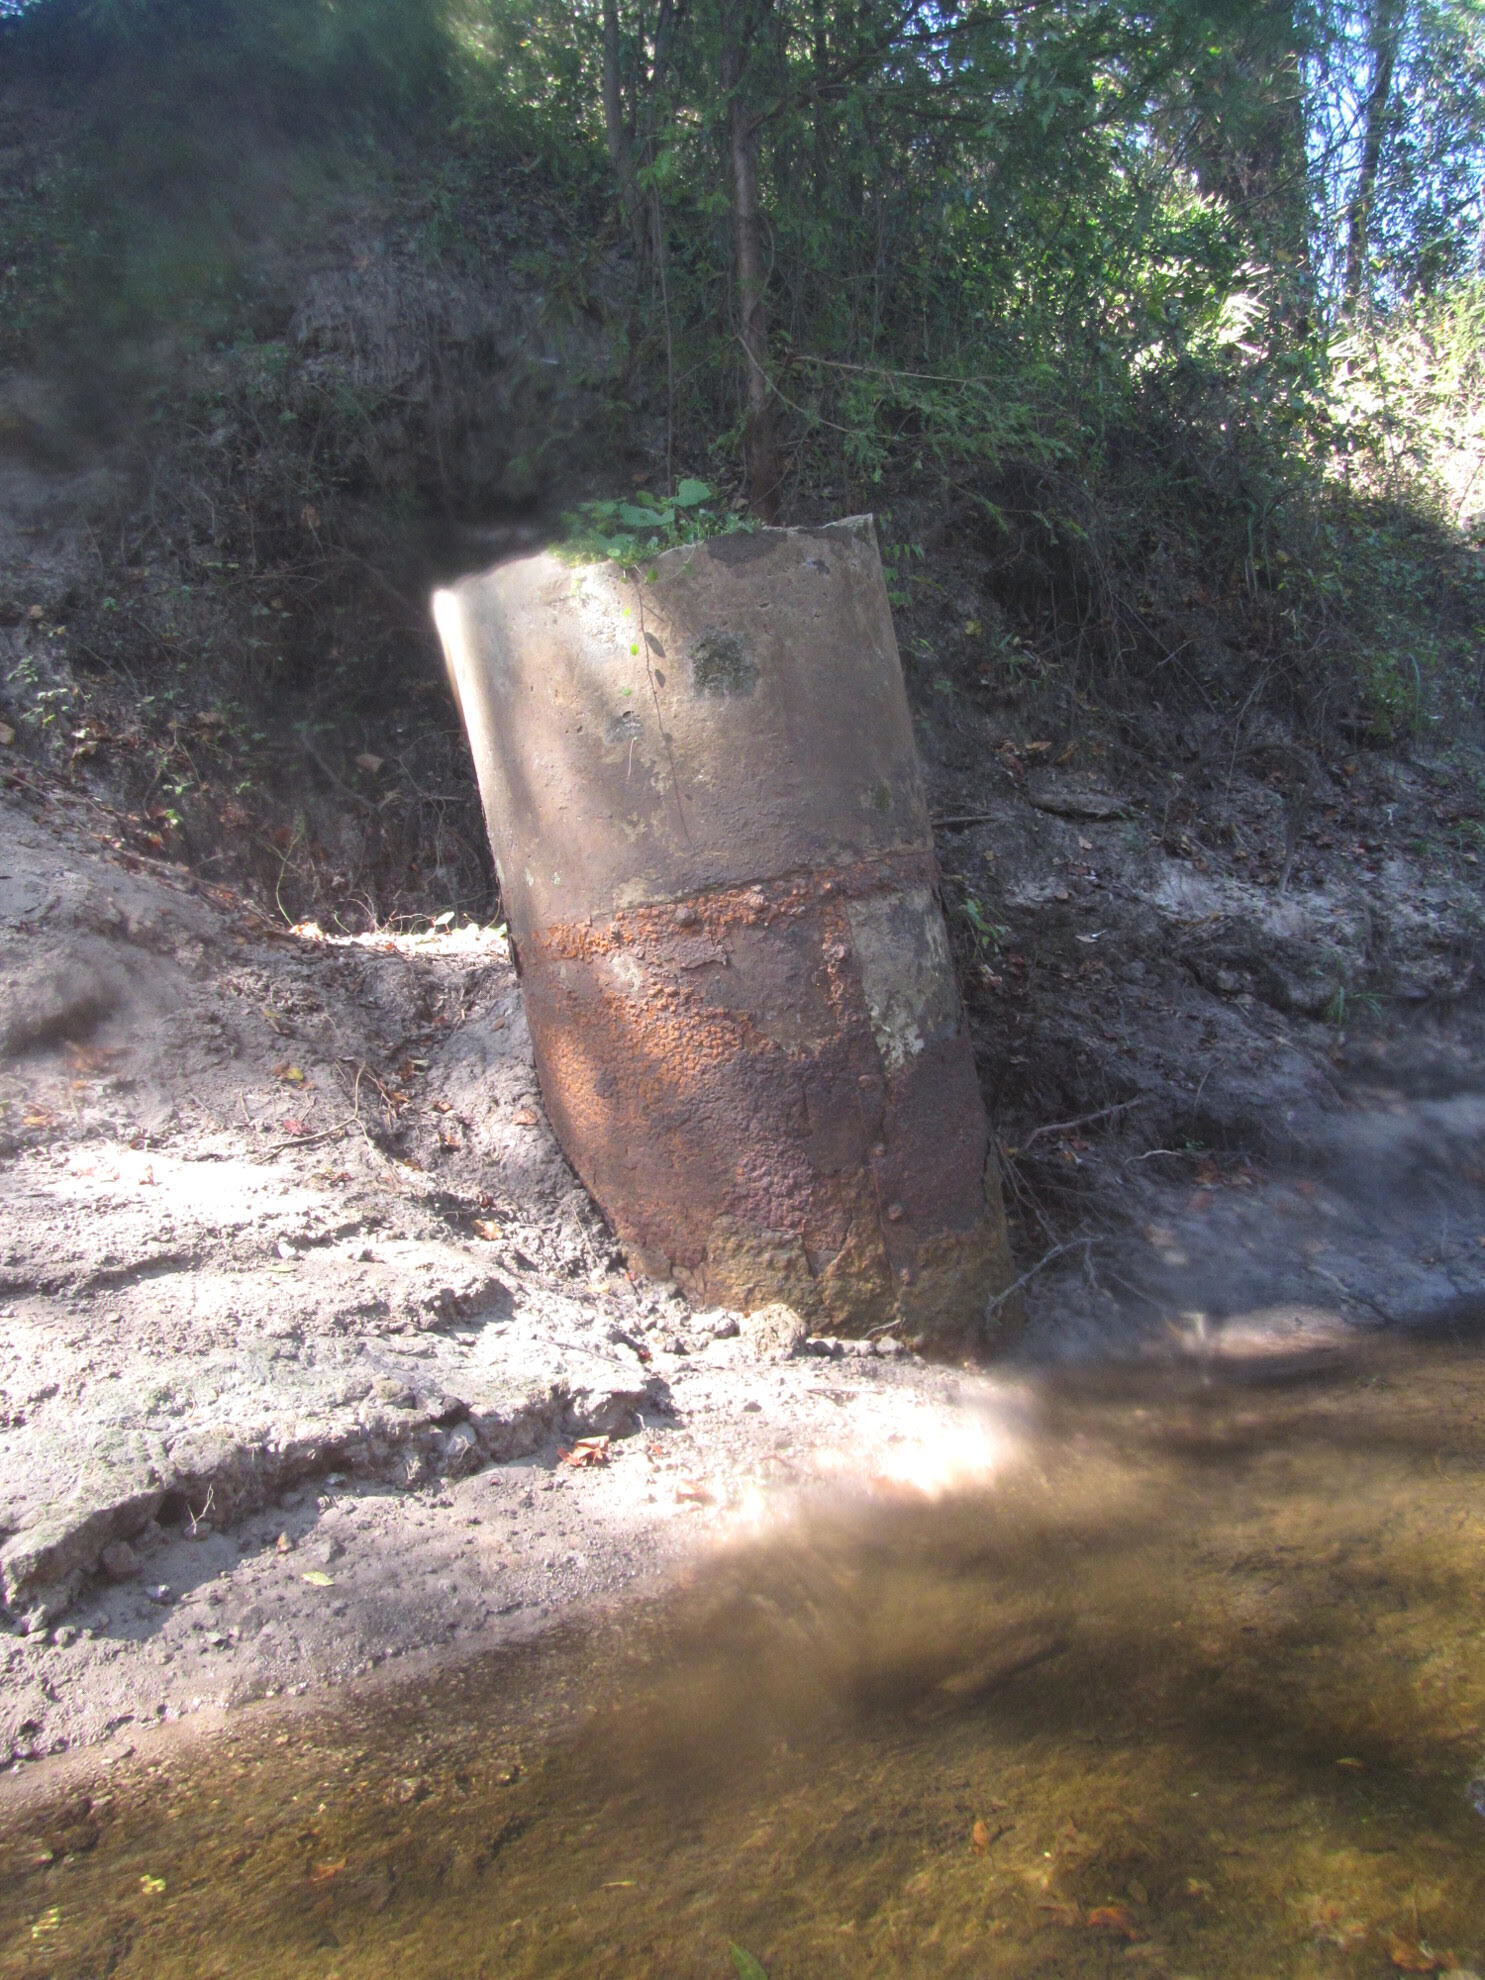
704, 801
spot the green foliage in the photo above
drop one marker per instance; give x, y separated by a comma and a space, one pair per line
1059, 275
196, 136
1061, 284
315, 65
988, 935
1348, 1008
630, 530
748, 1968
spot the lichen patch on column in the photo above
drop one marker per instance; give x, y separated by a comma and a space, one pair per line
903, 955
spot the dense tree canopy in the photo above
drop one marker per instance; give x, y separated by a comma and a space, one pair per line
1179, 292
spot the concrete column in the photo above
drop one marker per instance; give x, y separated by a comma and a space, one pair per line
703, 796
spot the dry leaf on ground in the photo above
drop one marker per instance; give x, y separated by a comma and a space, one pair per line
1415, 1956
1330, 1923
587, 1450
92, 1058
1112, 1918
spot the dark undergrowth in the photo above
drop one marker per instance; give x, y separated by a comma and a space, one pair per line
290, 338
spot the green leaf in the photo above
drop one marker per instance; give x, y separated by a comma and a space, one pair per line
637, 518
687, 495
748, 1968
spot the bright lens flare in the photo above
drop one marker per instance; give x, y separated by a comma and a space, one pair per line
906, 1444
450, 623
956, 1454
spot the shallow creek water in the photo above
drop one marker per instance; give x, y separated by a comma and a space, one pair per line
1185, 1681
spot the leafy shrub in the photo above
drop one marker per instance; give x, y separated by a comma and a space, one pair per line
626, 531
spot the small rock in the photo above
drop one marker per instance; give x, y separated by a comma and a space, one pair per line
162, 1595
774, 1333
119, 1560
397, 1395
461, 1450
63, 1635
726, 1328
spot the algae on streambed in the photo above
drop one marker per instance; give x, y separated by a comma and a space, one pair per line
1193, 1686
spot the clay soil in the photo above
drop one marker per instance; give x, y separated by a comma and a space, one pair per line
305, 1318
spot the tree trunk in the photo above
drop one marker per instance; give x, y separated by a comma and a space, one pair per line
616, 128
760, 442
820, 61
1383, 33
1250, 142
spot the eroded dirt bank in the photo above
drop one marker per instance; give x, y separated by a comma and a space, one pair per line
301, 1304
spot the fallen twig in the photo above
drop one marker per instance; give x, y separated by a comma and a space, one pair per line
309, 1140
1026, 1277
1083, 1120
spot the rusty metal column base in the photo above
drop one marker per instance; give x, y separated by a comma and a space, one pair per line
704, 800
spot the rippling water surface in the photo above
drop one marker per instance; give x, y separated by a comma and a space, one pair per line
1192, 1684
